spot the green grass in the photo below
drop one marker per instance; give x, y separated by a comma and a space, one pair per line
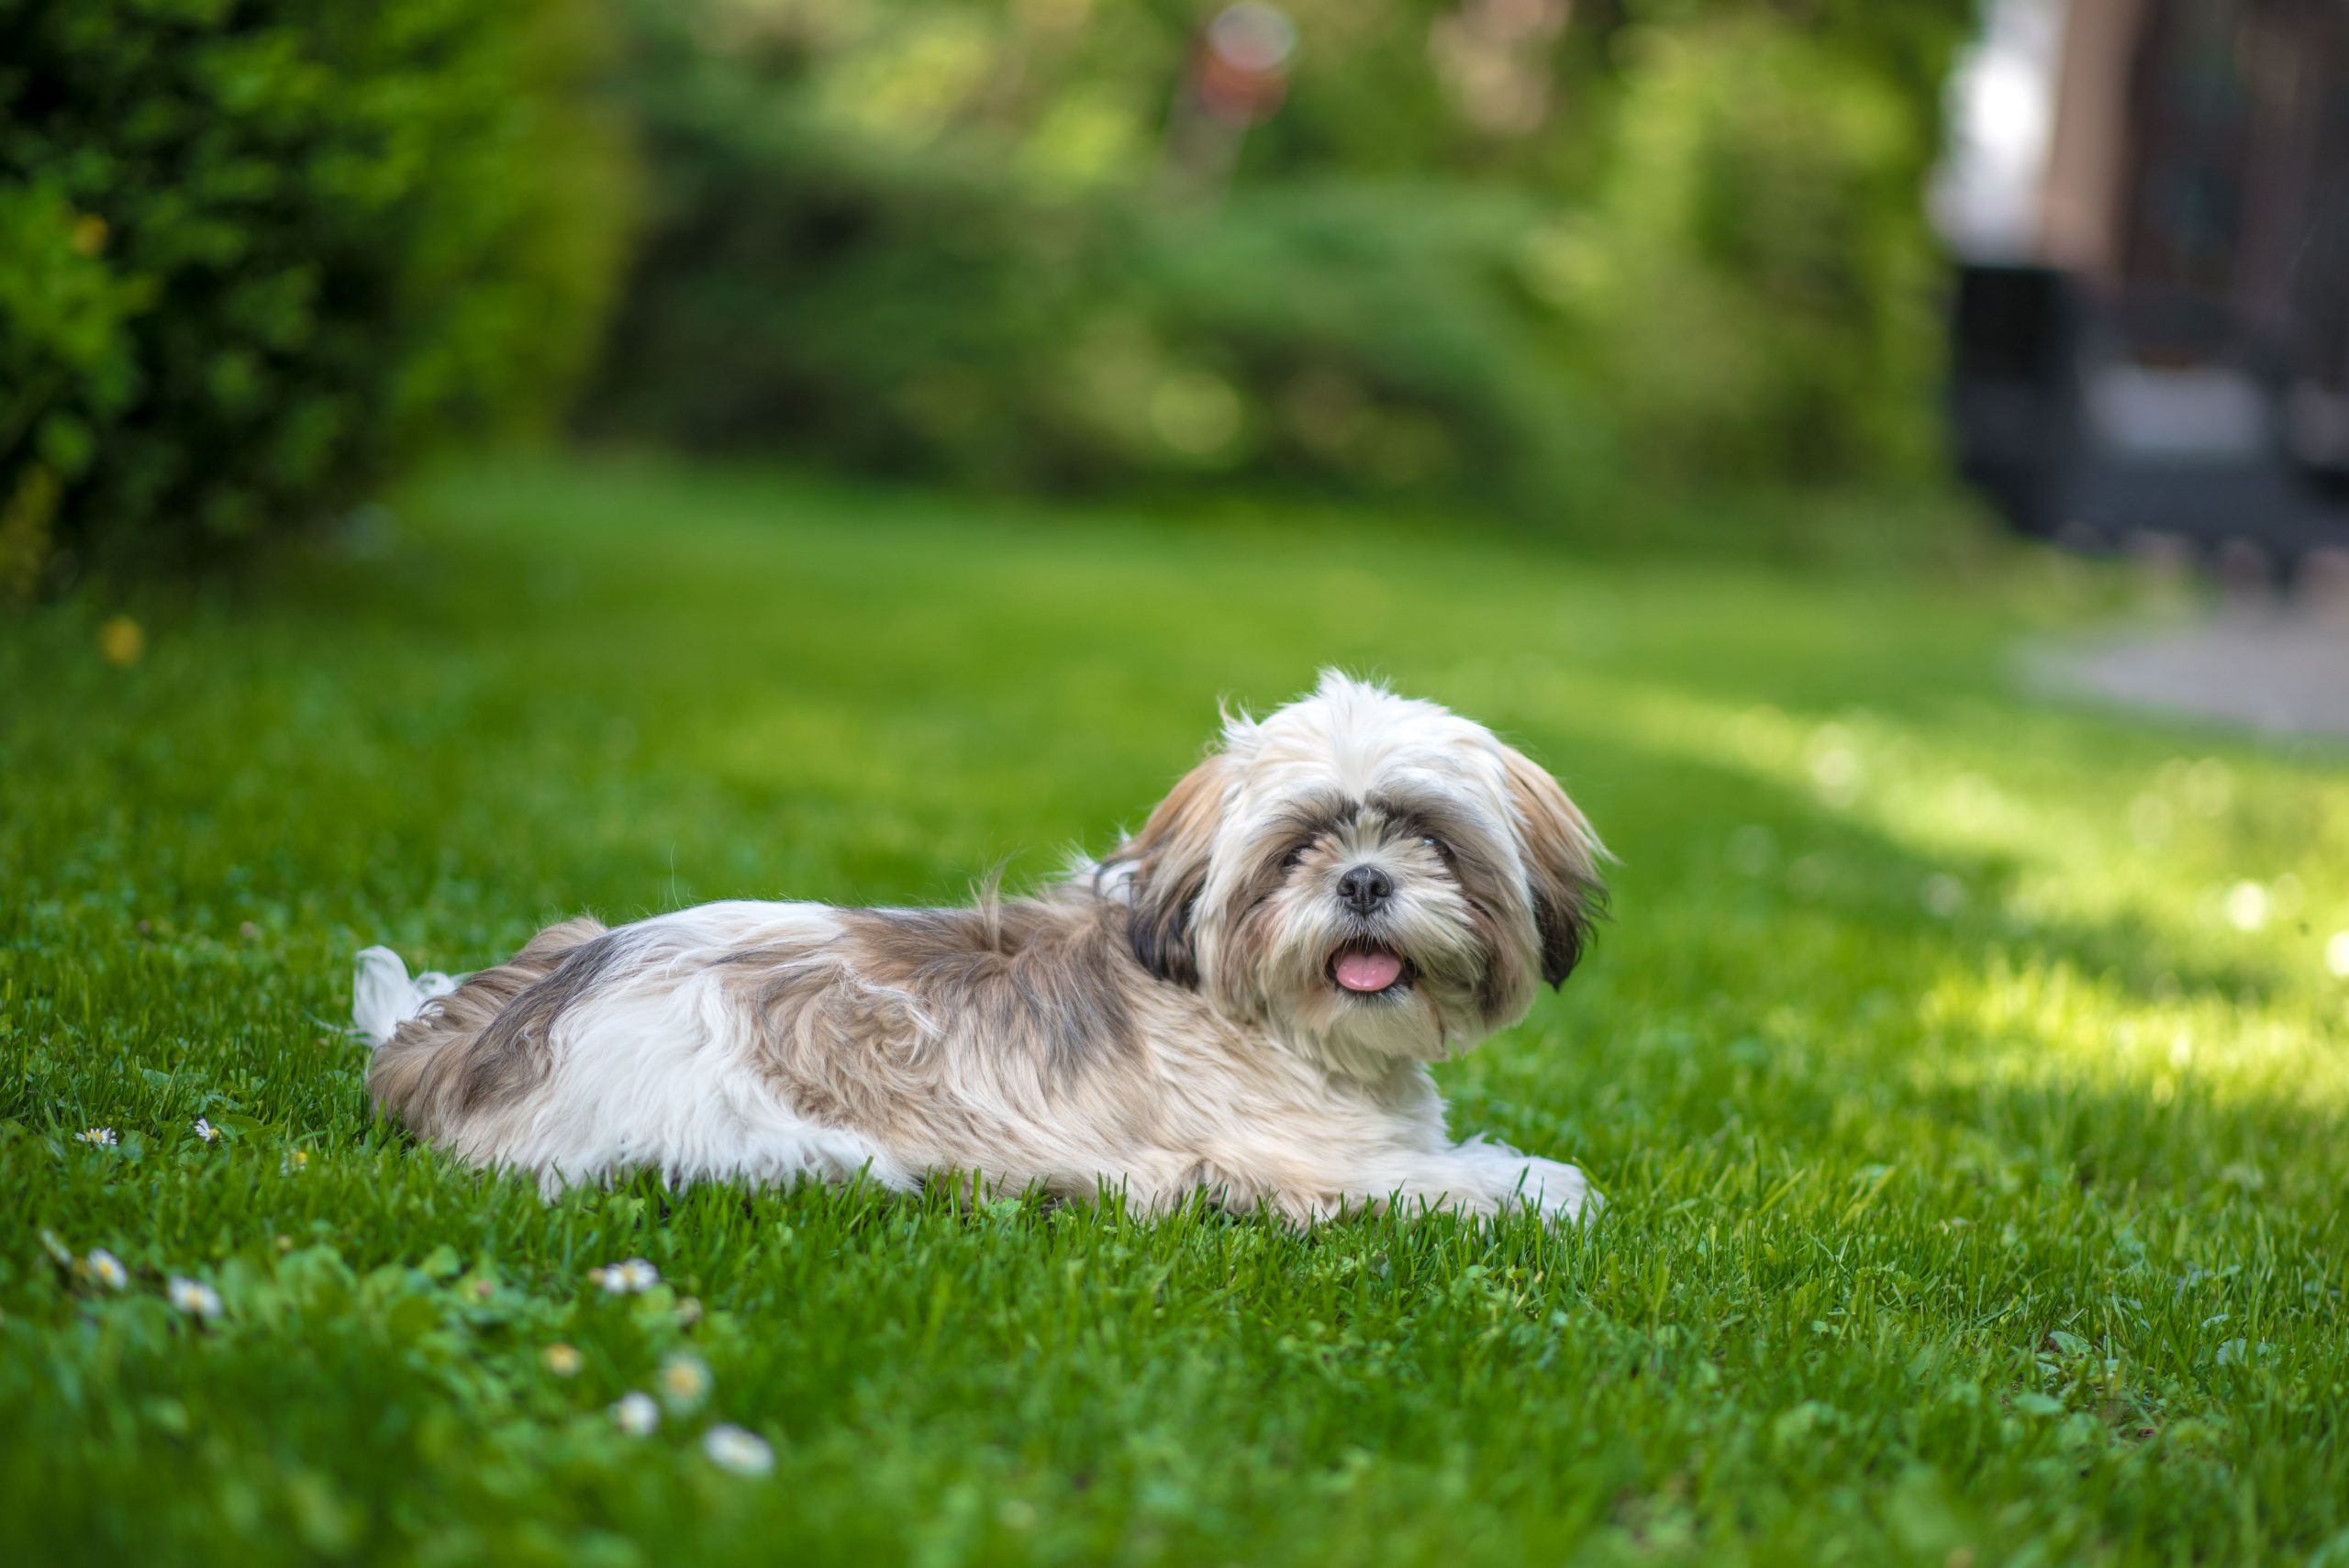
1977, 1182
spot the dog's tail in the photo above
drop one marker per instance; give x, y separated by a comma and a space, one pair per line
383, 996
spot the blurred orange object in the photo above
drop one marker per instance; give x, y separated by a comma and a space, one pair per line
1239, 70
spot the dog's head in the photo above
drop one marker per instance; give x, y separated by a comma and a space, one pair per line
1370, 877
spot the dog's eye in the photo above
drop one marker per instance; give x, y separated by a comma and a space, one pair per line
1295, 853
1438, 845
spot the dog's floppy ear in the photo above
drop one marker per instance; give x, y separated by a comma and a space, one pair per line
1562, 856
1169, 858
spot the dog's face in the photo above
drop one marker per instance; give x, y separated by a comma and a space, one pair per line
1370, 877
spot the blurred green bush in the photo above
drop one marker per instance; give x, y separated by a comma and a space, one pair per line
1754, 261
255, 254
1506, 251
925, 316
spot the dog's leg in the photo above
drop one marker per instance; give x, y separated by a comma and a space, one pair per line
1482, 1178
1475, 1177
1507, 1179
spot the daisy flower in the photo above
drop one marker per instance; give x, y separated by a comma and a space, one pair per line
626, 1279
684, 1380
194, 1296
296, 1162
689, 1311
101, 1137
636, 1414
743, 1453
564, 1360
107, 1269
205, 1131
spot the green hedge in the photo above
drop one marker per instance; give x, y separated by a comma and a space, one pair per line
928, 316
932, 238
1002, 305
1754, 260
254, 255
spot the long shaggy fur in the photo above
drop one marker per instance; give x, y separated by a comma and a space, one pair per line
1192, 1012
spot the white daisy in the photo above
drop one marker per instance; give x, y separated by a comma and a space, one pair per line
107, 1269
296, 1162
103, 1137
626, 1279
564, 1360
205, 1131
636, 1414
194, 1296
684, 1380
732, 1448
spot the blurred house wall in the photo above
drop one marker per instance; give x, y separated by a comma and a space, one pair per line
2149, 202
2077, 213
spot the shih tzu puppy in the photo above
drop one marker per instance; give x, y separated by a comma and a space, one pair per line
1243, 997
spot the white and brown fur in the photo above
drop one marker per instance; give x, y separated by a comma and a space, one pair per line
1161, 1022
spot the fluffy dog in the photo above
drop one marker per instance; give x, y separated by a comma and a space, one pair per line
1243, 997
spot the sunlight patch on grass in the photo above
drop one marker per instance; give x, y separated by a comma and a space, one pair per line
2041, 1022
2049, 856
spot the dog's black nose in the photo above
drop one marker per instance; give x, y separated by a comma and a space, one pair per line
1365, 888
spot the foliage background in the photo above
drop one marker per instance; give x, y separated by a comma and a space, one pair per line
1507, 253
253, 257
1507, 250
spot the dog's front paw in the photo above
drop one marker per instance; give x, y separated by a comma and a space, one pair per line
1559, 1191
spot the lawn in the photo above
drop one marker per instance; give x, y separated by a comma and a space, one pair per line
1964, 1071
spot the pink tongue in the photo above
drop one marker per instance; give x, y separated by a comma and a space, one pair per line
1368, 970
